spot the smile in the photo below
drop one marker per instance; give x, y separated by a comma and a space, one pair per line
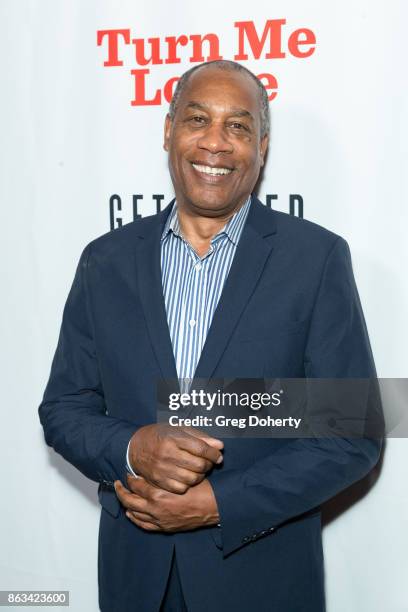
211, 170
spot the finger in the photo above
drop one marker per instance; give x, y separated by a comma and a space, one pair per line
197, 446
192, 463
147, 490
186, 478
170, 485
130, 500
120, 490
214, 442
140, 486
143, 524
174, 486
141, 516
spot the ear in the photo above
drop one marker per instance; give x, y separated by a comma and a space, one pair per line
167, 130
263, 148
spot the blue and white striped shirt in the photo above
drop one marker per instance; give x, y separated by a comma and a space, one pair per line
192, 285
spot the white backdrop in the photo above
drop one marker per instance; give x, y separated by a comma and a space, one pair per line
71, 138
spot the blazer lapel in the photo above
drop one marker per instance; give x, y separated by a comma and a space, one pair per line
151, 292
254, 248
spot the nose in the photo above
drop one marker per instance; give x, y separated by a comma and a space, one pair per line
214, 139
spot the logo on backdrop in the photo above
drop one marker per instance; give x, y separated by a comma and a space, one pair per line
119, 209
271, 40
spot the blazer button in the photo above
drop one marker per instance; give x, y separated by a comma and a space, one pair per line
271, 529
107, 484
245, 540
263, 533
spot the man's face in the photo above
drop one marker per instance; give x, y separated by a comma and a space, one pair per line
214, 144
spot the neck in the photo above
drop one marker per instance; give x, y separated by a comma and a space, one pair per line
199, 230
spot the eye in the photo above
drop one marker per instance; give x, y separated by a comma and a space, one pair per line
197, 120
235, 125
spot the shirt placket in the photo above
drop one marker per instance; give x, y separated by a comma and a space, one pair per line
193, 314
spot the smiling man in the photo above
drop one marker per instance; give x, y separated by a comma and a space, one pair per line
216, 285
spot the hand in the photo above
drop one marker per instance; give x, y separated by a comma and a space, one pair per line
171, 458
153, 509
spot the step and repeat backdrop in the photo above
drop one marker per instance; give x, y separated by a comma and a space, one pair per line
85, 90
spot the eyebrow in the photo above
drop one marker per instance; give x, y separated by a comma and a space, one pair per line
235, 111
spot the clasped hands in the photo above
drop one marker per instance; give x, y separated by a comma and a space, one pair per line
171, 492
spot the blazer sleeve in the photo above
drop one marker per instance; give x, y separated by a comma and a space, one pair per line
73, 412
306, 472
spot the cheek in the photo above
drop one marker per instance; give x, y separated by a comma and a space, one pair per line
176, 162
180, 153
251, 165
248, 153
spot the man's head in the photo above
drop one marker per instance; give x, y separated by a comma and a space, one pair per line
216, 134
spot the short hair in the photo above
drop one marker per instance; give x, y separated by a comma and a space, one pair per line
230, 66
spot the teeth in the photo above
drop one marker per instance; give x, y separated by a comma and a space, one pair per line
212, 171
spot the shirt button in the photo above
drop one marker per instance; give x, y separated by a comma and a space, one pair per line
198, 267
192, 322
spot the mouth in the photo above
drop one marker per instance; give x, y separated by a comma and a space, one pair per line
212, 170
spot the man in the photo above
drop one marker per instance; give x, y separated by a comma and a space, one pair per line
218, 286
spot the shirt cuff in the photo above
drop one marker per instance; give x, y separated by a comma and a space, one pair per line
128, 466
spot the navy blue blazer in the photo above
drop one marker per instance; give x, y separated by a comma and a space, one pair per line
289, 308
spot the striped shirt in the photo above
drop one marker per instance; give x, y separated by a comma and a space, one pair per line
192, 286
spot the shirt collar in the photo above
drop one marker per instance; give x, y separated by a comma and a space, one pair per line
232, 229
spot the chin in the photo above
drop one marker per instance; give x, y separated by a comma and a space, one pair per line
210, 202
211, 206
